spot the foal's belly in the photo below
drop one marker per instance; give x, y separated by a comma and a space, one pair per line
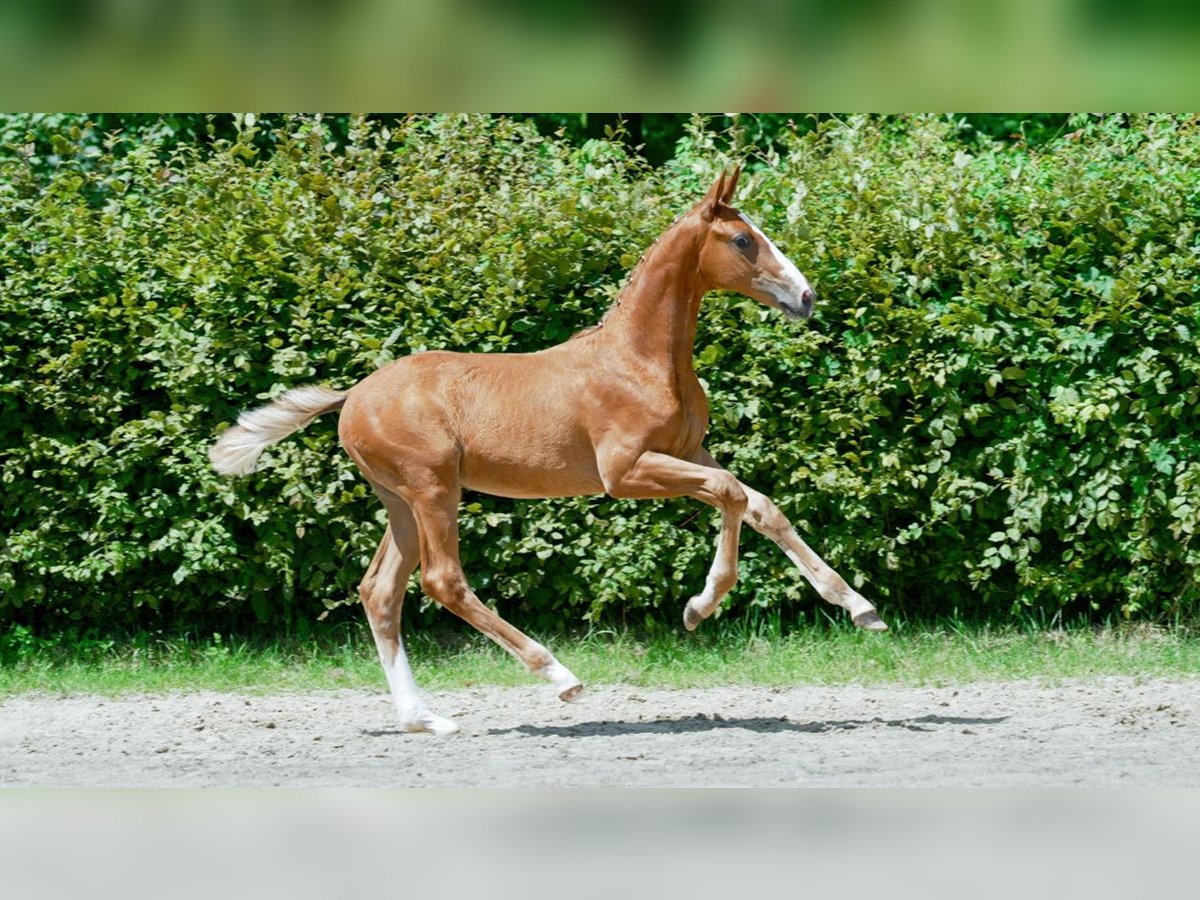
505, 478
534, 451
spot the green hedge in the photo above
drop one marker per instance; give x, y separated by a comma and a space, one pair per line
994, 410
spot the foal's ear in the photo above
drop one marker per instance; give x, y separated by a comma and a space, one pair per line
731, 185
720, 194
713, 199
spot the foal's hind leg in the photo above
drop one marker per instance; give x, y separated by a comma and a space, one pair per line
764, 517
382, 592
443, 579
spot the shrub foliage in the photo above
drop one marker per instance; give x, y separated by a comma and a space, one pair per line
993, 412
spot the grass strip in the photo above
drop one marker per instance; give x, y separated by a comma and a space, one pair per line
728, 652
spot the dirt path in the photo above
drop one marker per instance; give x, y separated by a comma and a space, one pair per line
1103, 732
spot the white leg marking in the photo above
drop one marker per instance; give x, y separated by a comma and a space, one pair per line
566, 685
414, 715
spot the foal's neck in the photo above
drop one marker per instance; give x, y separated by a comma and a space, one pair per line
654, 318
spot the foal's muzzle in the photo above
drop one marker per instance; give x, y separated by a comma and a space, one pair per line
793, 296
802, 308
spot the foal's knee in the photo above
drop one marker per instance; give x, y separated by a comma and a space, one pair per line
728, 493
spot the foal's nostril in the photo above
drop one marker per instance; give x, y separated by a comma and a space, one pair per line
807, 300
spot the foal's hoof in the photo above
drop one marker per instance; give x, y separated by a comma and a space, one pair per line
566, 685
692, 615
870, 621
430, 724
571, 692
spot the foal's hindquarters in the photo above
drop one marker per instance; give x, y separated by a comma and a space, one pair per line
407, 427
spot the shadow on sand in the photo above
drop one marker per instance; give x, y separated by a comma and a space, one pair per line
761, 724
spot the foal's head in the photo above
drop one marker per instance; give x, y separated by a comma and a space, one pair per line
737, 256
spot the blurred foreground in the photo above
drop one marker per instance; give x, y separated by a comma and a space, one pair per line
594, 844
480, 54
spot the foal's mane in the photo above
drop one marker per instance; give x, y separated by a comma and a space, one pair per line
590, 329
630, 280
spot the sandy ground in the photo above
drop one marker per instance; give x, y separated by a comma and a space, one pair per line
1102, 732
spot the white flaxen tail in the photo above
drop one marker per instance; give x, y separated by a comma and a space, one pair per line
238, 448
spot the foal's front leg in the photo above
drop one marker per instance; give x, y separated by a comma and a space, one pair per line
764, 517
659, 475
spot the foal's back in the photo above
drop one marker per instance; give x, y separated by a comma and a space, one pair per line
512, 424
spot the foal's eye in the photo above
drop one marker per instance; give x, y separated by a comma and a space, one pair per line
742, 241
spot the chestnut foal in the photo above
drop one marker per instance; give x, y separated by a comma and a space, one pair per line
617, 410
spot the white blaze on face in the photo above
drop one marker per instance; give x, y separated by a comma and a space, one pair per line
793, 287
